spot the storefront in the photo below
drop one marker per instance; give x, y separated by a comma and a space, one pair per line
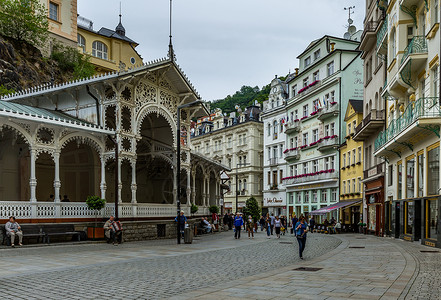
332, 211
275, 204
374, 197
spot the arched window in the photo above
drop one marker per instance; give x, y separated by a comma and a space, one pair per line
99, 50
275, 127
240, 185
245, 184
269, 129
376, 102
81, 42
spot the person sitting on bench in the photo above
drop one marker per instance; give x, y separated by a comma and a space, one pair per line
13, 229
116, 231
207, 226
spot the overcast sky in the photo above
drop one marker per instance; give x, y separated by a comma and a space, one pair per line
224, 44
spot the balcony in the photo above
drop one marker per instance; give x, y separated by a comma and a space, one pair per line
369, 35
382, 39
413, 60
416, 47
370, 124
317, 176
292, 154
328, 143
330, 110
419, 120
273, 161
375, 171
292, 127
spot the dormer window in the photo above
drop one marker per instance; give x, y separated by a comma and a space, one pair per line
307, 61
316, 54
294, 90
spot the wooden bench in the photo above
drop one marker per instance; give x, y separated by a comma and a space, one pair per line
29, 231
199, 228
55, 230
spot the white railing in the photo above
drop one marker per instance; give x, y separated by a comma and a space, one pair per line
72, 210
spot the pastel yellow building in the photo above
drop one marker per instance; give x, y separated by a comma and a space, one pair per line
351, 173
109, 50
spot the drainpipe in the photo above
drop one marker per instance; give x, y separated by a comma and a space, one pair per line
97, 105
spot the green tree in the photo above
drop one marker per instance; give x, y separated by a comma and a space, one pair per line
252, 208
70, 60
5, 91
24, 20
214, 209
194, 209
95, 203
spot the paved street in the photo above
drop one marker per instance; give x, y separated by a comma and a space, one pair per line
219, 267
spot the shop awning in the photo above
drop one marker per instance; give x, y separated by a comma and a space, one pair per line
325, 210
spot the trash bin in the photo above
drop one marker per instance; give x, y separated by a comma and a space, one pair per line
188, 236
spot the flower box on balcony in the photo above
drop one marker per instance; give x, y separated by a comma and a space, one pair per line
333, 103
303, 118
343, 168
303, 147
357, 193
359, 163
314, 113
296, 120
353, 165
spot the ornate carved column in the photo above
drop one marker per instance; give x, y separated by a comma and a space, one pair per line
119, 181
57, 183
193, 192
103, 185
208, 191
175, 185
133, 164
188, 187
204, 193
33, 179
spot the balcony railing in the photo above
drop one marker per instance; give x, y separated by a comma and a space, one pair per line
292, 126
375, 170
292, 154
374, 115
426, 107
417, 45
308, 89
381, 33
273, 161
329, 175
328, 111
328, 143
369, 27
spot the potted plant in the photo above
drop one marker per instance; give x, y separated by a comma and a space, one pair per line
95, 203
194, 209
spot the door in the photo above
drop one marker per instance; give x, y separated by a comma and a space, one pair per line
417, 224
397, 220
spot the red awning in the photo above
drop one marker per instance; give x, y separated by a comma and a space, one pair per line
325, 210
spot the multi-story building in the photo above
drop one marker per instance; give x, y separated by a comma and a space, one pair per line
411, 141
274, 163
351, 168
62, 19
374, 70
330, 73
109, 50
237, 142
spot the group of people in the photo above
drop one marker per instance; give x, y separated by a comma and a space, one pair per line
273, 223
249, 225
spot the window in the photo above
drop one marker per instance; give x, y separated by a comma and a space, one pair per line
344, 159
330, 68
275, 127
245, 184
305, 168
99, 50
291, 170
53, 11
349, 159
359, 185
294, 90
324, 196
334, 195
281, 127
305, 139
409, 214
433, 170
410, 177
435, 79
327, 130
353, 186
314, 197
390, 175
332, 162
354, 125
307, 61
400, 178
349, 129
280, 150
81, 42
269, 129
296, 142
305, 110
344, 187
421, 173
353, 156
315, 166
315, 135
275, 151
299, 197
306, 82
359, 154
296, 114
316, 76
332, 96
316, 54
269, 178
432, 218
230, 142
326, 163
393, 45
306, 197
332, 126
291, 143
229, 163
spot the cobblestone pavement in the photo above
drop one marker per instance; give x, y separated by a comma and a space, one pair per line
145, 270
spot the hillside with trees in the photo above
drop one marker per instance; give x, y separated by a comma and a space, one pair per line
243, 97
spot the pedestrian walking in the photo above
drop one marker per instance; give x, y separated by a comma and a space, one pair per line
238, 223
277, 226
262, 223
311, 224
283, 228
301, 229
272, 223
294, 222
250, 227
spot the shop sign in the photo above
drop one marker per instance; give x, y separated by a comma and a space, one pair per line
273, 201
372, 172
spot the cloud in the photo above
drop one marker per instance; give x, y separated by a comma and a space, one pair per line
224, 44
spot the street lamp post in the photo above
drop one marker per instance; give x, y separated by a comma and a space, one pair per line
178, 160
237, 185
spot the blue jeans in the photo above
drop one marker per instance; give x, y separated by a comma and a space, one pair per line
268, 230
302, 244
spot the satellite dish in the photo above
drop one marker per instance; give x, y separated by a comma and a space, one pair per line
352, 29
350, 21
347, 36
